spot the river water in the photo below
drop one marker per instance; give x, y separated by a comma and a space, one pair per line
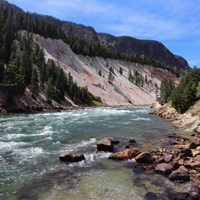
30, 145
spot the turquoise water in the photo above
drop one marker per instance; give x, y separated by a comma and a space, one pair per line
30, 145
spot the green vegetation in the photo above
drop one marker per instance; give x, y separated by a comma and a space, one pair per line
185, 94
166, 88
198, 91
136, 77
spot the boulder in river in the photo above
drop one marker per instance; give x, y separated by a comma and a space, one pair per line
125, 154
181, 174
70, 156
144, 158
106, 144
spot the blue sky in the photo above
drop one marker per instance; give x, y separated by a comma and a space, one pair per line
175, 23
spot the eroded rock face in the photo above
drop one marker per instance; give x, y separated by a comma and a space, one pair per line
144, 158
181, 174
105, 144
125, 154
71, 157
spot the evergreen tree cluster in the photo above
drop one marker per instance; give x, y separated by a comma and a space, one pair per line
166, 88
185, 94
29, 69
136, 77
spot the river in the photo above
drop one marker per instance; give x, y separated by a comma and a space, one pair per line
30, 145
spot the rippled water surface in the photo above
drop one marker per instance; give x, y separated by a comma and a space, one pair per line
30, 145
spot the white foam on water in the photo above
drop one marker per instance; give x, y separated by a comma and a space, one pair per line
86, 142
28, 153
77, 146
140, 119
91, 158
11, 145
143, 110
14, 136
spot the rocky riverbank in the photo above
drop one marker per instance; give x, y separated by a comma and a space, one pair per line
179, 161
188, 121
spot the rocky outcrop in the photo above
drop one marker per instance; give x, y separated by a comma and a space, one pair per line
125, 154
71, 157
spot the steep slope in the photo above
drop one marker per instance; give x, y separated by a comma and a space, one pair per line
127, 45
85, 70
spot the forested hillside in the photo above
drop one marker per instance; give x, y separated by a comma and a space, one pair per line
185, 94
55, 69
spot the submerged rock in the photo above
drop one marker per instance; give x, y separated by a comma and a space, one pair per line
132, 141
179, 196
181, 174
125, 154
70, 156
150, 196
145, 158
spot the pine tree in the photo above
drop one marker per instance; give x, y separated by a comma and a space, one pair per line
34, 80
121, 70
110, 75
166, 88
8, 37
130, 76
198, 91
100, 74
60, 83
50, 90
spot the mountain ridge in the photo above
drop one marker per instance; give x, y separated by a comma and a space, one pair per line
122, 44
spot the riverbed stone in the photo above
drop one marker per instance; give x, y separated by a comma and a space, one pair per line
197, 158
163, 168
197, 129
179, 196
144, 158
125, 154
181, 174
185, 153
194, 144
105, 144
196, 152
150, 196
70, 156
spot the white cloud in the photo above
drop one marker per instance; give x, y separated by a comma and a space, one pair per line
195, 63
